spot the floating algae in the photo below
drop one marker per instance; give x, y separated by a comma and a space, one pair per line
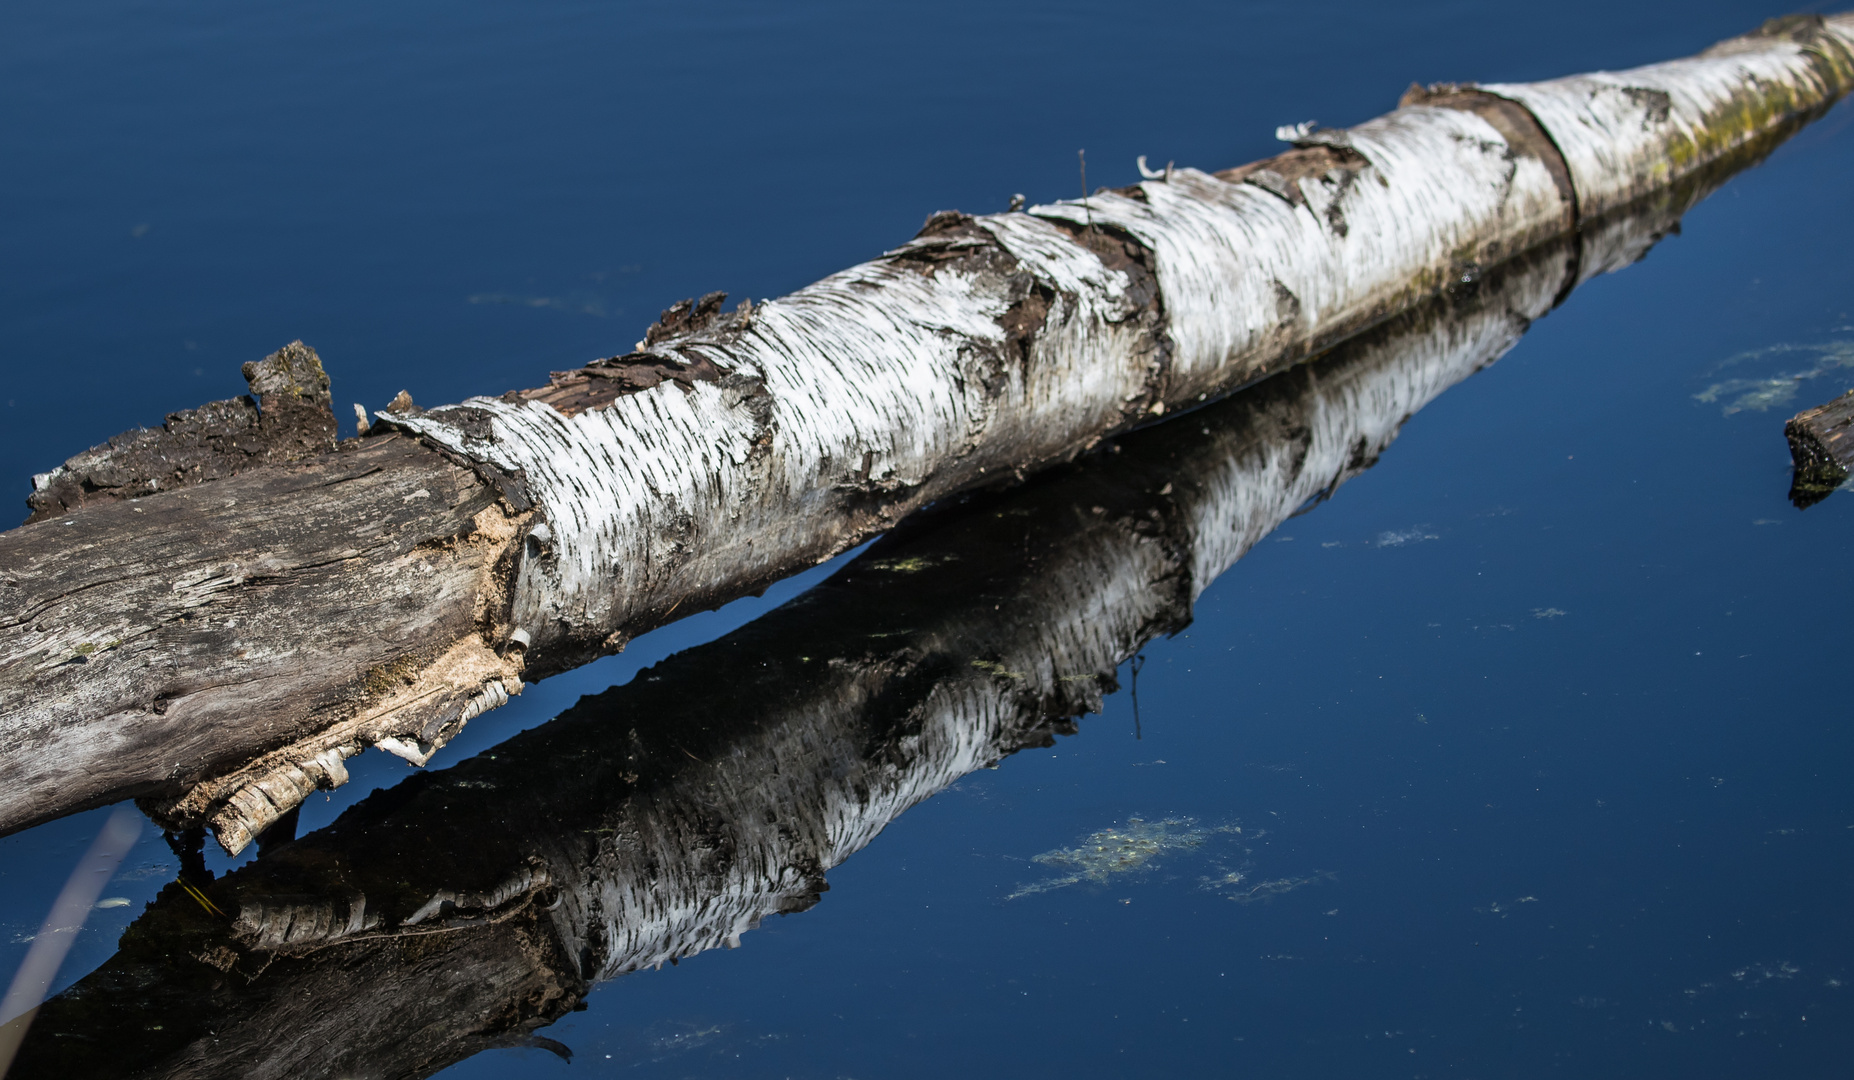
1763, 392
1232, 885
1128, 849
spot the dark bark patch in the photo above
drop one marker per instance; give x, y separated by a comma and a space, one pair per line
1281, 175
291, 418
1287, 304
947, 236
1802, 29
1656, 105
944, 221
1342, 181
1023, 321
602, 382
685, 317
665, 355
1119, 251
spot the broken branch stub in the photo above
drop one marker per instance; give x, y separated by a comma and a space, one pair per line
287, 416
1821, 450
734, 448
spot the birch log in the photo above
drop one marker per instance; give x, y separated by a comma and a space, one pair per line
219, 649
464, 909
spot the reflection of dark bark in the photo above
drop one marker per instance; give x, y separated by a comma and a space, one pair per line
463, 909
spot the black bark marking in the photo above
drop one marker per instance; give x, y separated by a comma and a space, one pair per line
1656, 105
1341, 181
1024, 320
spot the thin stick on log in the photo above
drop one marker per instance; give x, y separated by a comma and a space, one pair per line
1821, 450
219, 649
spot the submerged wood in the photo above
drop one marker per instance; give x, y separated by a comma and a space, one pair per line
1821, 450
219, 650
465, 909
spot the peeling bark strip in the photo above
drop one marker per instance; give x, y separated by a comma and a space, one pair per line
1821, 450
221, 648
465, 909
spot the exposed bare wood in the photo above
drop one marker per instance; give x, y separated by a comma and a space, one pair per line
152, 643
220, 648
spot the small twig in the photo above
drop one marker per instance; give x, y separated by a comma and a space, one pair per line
201, 897
1082, 156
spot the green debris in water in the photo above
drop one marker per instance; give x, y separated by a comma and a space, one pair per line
1770, 377
1232, 887
1128, 849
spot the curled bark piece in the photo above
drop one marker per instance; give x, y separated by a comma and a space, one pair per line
1821, 450
673, 814
411, 720
549, 526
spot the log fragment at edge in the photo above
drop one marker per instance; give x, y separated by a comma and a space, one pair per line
730, 450
1821, 450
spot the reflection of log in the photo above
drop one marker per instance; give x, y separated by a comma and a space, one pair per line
1821, 450
463, 909
220, 648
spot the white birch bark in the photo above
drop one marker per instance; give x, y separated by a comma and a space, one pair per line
890, 385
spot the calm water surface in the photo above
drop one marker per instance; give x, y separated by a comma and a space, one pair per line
1525, 754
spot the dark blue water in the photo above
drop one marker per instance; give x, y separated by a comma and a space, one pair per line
1542, 721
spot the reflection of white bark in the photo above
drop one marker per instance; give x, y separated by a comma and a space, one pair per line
669, 816
1055, 637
